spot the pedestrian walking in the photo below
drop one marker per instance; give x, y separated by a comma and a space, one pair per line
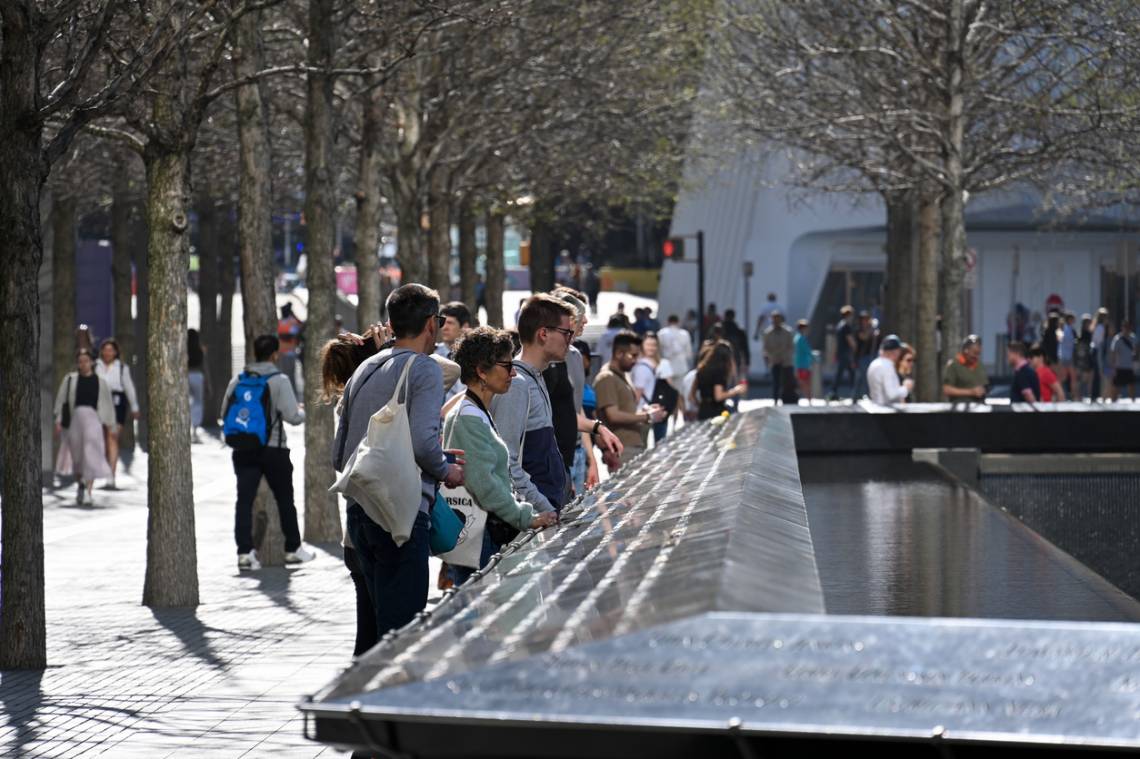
257, 404
677, 347
1083, 359
865, 339
739, 339
803, 358
779, 355
1066, 350
83, 411
196, 361
764, 319
845, 365
1122, 354
1101, 338
487, 370
114, 372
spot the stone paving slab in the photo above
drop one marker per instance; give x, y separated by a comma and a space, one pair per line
221, 680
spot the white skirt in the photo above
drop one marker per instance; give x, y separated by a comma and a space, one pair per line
83, 452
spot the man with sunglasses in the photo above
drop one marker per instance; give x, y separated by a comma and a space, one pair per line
397, 576
524, 415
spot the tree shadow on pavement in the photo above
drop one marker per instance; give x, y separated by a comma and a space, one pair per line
192, 634
21, 696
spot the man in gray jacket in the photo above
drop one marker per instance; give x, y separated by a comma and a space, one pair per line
270, 461
397, 576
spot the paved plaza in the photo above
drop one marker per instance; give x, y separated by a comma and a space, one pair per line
222, 680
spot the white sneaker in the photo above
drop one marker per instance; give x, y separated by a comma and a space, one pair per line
248, 560
300, 556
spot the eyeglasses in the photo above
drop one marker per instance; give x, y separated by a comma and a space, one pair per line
567, 333
440, 320
508, 365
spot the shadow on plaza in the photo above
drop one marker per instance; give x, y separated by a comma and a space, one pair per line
25, 708
192, 634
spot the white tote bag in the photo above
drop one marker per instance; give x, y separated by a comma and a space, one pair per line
469, 548
382, 474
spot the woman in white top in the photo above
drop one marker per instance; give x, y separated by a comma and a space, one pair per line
644, 376
83, 405
114, 372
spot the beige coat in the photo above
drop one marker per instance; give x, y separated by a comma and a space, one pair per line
105, 408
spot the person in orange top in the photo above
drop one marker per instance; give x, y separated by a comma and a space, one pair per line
1051, 390
964, 377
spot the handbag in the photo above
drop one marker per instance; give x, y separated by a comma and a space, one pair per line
468, 548
65, 412
446, 526
382, 475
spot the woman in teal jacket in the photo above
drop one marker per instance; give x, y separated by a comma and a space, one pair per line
484, 358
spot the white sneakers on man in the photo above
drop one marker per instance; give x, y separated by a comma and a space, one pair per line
300, 556
248, 560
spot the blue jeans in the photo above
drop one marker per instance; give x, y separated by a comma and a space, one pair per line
578, 470
460, 575
396, 576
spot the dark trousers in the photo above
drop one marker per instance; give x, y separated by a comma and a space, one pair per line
460, 575
779, 377
396, 576
366, 636
273, 464
843, 368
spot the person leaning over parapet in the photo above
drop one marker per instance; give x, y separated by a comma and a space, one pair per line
524, 414
484, 358
397, 576
964, 377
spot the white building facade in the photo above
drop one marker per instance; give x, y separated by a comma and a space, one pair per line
818, 252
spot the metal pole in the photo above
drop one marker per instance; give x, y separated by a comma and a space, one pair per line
701, 286
747, 295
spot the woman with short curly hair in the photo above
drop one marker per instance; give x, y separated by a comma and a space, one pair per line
485, 366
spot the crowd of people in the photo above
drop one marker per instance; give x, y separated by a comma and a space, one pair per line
1066, 361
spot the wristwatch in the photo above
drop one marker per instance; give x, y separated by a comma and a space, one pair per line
597, 426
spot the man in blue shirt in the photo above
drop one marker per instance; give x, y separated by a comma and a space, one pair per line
1026, 387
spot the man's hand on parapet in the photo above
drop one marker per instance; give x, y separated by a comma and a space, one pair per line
609, 442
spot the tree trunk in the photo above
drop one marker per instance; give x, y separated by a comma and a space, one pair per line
64, 320
900, 270
439, 235
368, 208
219, 360
468, 255
541, 258
123, 211
22, 176
409, 240
953, 202
495, 271
142, 326
927, 371
255, 207
322, 518
171, 552
208, 255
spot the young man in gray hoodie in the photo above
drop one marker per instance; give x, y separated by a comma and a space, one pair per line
397, 576
524, 415
270, 461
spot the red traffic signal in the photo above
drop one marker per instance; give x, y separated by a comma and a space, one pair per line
674, 248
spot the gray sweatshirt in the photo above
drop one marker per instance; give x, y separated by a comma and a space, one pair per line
281, 401
424, 399
512, 421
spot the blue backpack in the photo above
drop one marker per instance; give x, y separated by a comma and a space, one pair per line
246, 425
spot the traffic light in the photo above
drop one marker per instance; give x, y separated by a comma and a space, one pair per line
674, 248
